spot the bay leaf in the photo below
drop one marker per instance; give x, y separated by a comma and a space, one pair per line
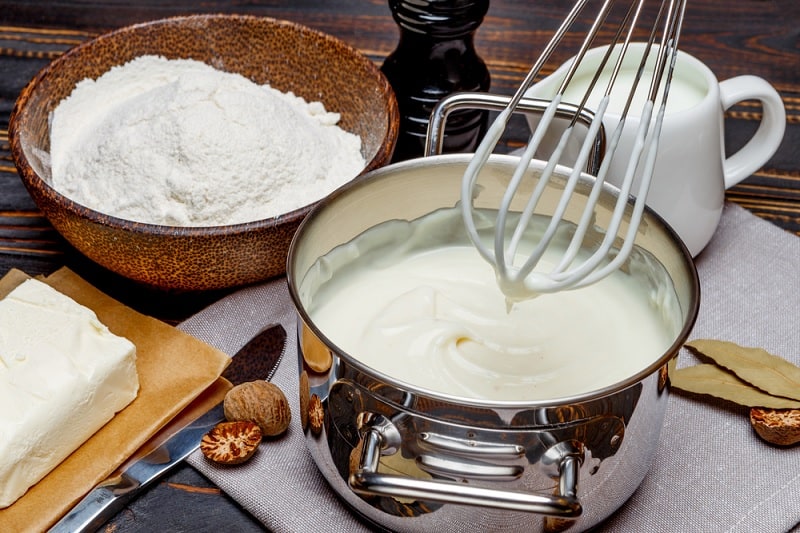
714, 381
766, 371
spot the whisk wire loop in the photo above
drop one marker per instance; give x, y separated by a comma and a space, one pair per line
568, 271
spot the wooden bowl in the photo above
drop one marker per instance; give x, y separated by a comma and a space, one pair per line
286, 55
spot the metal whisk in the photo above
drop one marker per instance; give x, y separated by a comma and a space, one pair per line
525, 280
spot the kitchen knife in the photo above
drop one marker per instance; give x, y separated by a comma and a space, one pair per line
257, 359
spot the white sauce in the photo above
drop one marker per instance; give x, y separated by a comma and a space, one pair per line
433, 316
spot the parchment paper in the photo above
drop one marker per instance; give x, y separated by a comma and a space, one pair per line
173, 367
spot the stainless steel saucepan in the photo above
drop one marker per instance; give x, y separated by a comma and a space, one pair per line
410, 459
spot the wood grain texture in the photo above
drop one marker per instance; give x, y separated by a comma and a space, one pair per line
760, 37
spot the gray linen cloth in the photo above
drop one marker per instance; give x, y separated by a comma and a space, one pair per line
711, 472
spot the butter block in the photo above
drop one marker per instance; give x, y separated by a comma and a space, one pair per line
63, 375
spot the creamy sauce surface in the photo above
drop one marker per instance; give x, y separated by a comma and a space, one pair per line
433, 316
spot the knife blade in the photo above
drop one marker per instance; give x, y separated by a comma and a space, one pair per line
258, 359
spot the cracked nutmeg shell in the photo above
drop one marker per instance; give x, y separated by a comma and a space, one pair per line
261, 402
231, 443
305, 392
316, 414
778, 426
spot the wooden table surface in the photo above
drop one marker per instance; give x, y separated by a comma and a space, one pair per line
760, 37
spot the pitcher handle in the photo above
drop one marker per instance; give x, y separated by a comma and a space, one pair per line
769, 135
381, 437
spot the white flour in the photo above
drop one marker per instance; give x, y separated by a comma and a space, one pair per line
178, 142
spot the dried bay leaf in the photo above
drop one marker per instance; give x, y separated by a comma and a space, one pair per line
714, 381
768, 372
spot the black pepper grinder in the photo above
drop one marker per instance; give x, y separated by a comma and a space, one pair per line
434, 58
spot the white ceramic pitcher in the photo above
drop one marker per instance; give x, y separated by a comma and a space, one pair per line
692, 171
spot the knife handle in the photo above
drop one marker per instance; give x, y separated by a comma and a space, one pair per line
107, 498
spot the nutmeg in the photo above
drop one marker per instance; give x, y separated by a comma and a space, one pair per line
261, 402
316, 414
355, 456
778, 426
315, 353
231, 443
305, 393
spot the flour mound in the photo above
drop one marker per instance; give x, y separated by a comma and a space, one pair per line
177, 142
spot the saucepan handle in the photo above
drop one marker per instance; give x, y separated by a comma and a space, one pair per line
434, 140
380, 437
